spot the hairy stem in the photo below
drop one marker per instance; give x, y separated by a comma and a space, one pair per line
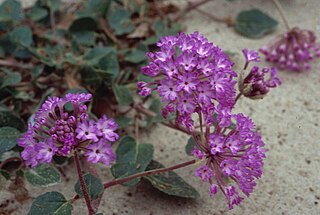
150, 172
82, 184
282, 14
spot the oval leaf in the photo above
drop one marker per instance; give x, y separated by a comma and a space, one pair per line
8, 138
170, 183
43, 175
50, 203
254, 23
123, 94
22, 35
9, 119
94, 186
132, 158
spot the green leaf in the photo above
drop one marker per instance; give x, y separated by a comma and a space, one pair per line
86, 38
10, 78
135, 56
22, 35
98, 7
94, 55
9, 119
93, 184
8, 138
170, 183
254, 23
10, 10
54, 5
37, 13
123, 94
51, 203
43, 175
83, 24
123, 121
120, 22
132, 158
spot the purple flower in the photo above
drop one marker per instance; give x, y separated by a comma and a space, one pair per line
87, 131
199, 74
236, 153
45, 151
204, 172
232, 196
251, 56
255, 85
213, 190
107, 128
100, 152
58, 132
294, 50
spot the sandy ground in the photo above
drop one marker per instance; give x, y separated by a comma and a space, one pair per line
288, 119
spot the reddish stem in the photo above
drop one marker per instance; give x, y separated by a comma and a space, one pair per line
150, 172
82, 184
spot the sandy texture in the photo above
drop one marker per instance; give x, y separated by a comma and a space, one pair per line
288, 119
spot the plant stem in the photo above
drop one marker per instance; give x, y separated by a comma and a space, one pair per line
150, 113
282, 14
82, 184
238, 97
150, 172
188, 8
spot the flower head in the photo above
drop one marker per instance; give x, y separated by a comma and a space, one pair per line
293, 50
194, 78
255, 85
57, 132
233, 156
192, 74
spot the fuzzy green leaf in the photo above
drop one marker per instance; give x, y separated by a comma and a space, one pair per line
43, 175
10, 10
8, 138
93, 184
10, 78
170, 183
132, 158
120, 21
123, 94
254, 23
53, 203
22, 35
7, 118
135, 56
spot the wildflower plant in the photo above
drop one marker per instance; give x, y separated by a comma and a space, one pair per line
196, 83
68, 96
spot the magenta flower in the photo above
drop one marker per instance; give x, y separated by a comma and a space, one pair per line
251, 56
236, 154
255, 85
100, 152
191, 73
58, 132
194, 78
294, 50
87, 131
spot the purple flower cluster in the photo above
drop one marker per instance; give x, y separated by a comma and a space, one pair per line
294, 50
255, 85
57, 132
195, 78
234, 157
191, 74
